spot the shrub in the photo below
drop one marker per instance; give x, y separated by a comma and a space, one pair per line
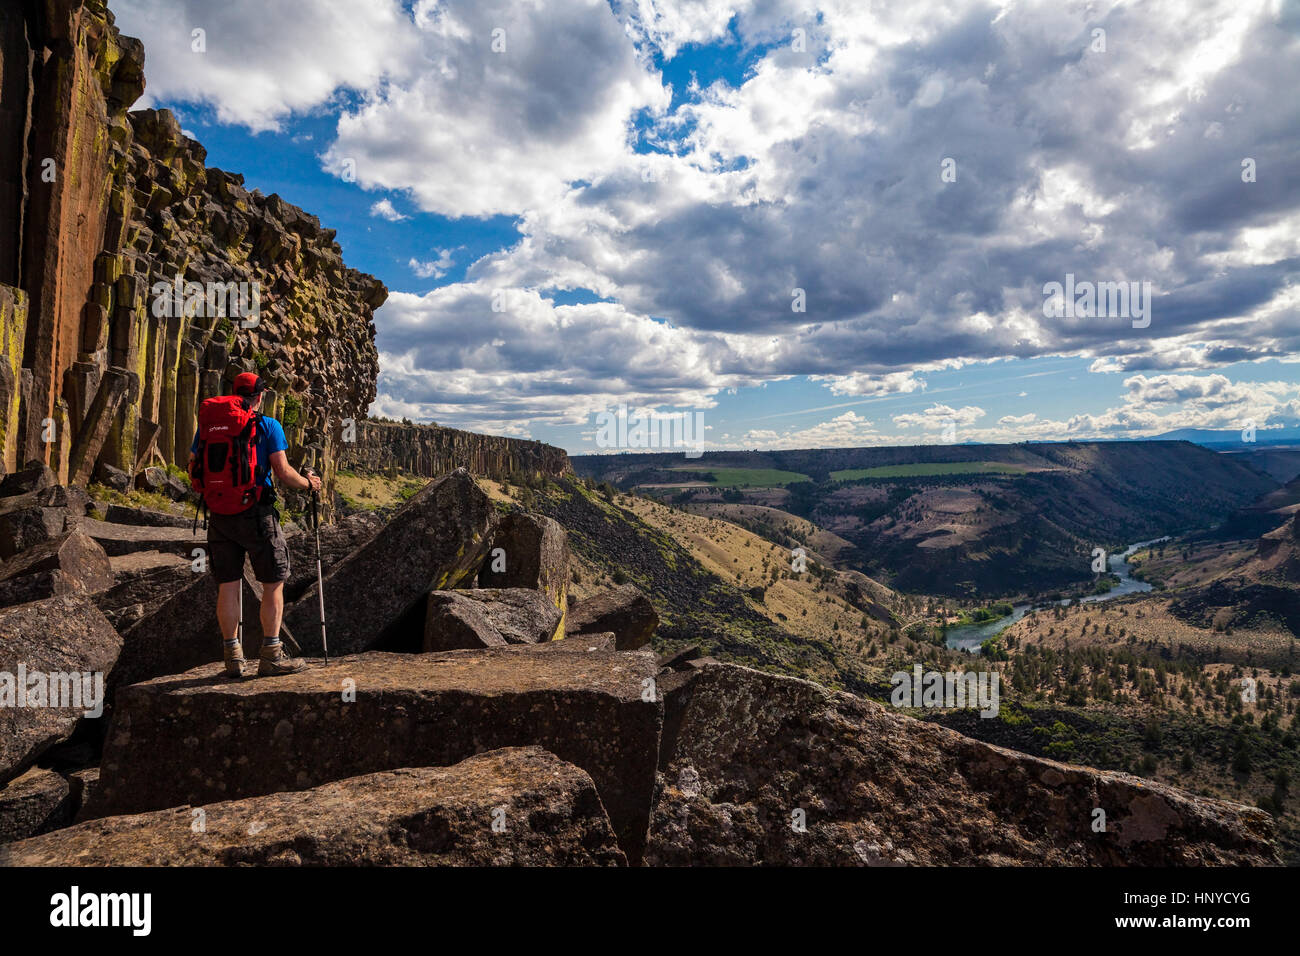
292, 411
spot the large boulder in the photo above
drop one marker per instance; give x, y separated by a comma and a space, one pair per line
111, 477
180, 630
376, 596
38, 801
624, 610
530, 551
159, 481
488, 617
142, 583
546, 813
337, 541
34, 476
67, 564
32, 517
43, 645
760, 769
27, 520
381, 711
118, 539
147, 517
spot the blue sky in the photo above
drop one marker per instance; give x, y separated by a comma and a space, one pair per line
579, 205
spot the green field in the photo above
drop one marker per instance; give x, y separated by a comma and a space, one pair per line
750, 477
921, 470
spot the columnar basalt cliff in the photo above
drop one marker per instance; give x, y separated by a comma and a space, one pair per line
432, 450
122, 256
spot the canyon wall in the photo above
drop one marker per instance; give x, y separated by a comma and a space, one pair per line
432, 450
121, 256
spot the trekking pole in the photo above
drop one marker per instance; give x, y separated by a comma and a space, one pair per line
320, 578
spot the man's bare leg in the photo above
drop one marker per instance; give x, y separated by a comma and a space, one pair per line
272, 660
272, 611
228, 619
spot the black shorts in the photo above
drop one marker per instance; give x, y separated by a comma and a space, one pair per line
255, 532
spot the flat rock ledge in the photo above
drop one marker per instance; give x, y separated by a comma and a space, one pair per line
509, 807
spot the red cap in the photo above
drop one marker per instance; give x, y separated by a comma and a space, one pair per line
248, 383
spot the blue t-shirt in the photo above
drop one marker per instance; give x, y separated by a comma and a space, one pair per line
270, 439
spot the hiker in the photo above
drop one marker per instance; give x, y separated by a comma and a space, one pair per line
235, 452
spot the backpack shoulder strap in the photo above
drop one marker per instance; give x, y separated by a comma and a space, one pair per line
263, 465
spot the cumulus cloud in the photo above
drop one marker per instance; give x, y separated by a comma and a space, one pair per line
432, 268
939, 416
504, 106
804, 179
848, 430
262, 60
477, 353
385, 209
859, 383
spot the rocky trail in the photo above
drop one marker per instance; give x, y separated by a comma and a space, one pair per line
472, 713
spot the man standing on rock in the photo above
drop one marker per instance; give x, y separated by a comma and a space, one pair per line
243, 519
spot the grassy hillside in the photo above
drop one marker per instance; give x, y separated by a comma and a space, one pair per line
813, 624
971, 521
931, 468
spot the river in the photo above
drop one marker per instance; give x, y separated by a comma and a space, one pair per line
971, 636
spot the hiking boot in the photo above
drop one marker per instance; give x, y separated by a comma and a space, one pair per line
234, 658
275, 662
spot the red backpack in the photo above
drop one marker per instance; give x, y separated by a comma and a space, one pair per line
225, 469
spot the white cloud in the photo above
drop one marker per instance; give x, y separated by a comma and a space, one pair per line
938, 416
385, 209
489, 122
264, 59
433, 268
859, 383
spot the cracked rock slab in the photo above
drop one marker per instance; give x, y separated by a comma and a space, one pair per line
760, 769
508, 807
196, 738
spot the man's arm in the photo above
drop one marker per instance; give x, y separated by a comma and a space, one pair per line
289, 476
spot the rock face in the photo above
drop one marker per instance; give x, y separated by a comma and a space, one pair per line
488, 617
1265, 586
546, 810
181, 631
375, 597
624, 610
69, 110
337, 541
68, 564
64, 635
36, 476
37, 802
743, 751
26, 521
431, 450
122, 514
312, 338
530, 551
106, 219
248, 738
117, 539
143, 582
